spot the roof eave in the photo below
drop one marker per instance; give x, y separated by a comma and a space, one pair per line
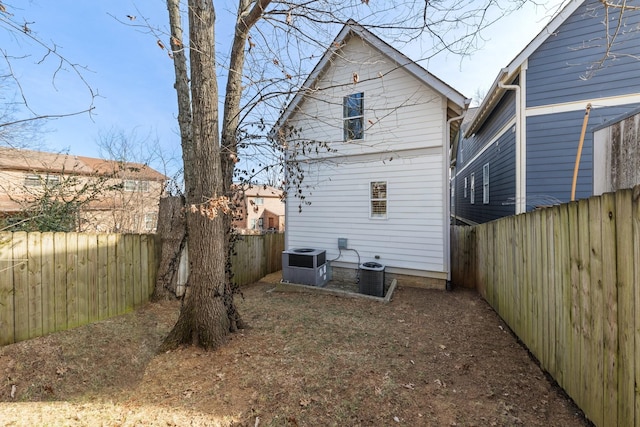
352, 27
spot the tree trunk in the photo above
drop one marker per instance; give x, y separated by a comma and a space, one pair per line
172, 230
248, 12
182, 87
203, 320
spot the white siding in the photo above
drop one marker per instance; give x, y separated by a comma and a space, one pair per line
403, 145
412, 235
400, 112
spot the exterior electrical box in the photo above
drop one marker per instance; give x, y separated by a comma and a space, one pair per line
342, 243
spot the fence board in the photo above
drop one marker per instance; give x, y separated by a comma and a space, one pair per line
121, 271
144, 271
624, 267
113, 278
636, 297
490, 254
585, 296
102, 275
543, 285
60, 293
574, 388
136, 276
48, 283
83, 302
7, 308
563, 292
73, 317
480, 259
595, 374
93, 309
34, 288
21, 286
551, 292
610, 315
537, 287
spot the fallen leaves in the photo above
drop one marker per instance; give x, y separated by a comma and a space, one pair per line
304, 402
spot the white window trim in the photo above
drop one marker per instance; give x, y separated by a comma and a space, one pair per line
465, 187
472, 189
36, 180
346, 118
371, 200
485, 184
136, 185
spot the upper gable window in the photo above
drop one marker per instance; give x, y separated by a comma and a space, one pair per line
353, 114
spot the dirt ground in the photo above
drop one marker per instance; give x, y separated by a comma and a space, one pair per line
429, 358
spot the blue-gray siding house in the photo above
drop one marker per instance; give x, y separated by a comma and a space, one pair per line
519, 149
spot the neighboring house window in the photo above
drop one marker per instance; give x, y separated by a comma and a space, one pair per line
378, 199
252, 224
150, 221
136, 185
260, 222
473, 189
485, 184
33, 180
465, 187
259, 201
353, 114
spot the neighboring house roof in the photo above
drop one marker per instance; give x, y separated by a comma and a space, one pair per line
457, 102
39, 161
262, 191
507, 74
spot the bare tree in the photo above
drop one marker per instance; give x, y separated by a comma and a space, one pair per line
203, 319
274, 46
43, 52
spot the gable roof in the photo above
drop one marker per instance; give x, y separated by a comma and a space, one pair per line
260, 190
507, 74
457, 103
39, 161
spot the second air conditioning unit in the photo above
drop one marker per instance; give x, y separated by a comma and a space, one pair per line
305, 266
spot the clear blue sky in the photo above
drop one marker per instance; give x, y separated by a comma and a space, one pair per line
134, 77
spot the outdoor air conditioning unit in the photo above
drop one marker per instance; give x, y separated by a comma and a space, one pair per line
371, 279
305, 267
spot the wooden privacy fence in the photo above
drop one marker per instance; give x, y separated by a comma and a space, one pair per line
55, 281
566, 280
256, 256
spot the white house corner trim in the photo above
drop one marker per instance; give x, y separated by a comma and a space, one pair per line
522, 161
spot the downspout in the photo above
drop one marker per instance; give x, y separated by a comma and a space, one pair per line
447, 215
521, 197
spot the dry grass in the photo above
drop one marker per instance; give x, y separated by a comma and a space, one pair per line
427, 358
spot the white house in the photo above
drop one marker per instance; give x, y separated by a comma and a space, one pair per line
384, 184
